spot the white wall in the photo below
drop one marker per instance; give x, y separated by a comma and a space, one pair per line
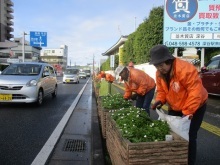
146, 67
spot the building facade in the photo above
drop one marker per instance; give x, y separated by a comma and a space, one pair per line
116, 49
56, 57
6, 23
15, 54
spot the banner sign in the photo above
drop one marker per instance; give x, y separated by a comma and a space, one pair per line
191, 23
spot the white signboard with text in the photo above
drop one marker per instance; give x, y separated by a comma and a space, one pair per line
191, 23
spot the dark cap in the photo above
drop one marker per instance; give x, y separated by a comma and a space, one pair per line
159, 54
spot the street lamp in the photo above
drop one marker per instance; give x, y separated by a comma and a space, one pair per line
23, 54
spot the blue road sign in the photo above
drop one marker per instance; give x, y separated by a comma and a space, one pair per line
38, 39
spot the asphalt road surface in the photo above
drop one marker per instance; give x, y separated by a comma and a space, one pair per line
25, 128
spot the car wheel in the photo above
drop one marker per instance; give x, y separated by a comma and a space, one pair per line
40, 97
54, 94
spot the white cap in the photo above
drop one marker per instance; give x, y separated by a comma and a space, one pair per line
119, 69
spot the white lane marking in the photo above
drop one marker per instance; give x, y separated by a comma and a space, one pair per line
47, 149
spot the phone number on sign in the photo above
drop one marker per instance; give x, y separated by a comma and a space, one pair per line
182, 44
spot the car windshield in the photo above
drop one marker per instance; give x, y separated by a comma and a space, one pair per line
22, 69
87, 71
71, 71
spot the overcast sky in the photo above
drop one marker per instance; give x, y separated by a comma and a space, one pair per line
87, 27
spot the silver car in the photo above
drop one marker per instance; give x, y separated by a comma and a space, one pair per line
27, 82
71, 75
82, 75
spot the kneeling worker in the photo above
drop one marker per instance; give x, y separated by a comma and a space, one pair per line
139, 83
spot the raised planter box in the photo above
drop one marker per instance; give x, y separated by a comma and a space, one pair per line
103, 118
123, 152
99, 107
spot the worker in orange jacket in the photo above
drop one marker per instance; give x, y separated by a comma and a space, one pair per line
131, 64
109, 78
101, 75
179, 85
140, 84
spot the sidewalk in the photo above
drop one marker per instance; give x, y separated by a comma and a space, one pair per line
81, 140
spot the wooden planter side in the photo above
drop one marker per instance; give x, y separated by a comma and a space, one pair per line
99, 107
103, 121
96, 89
122, 151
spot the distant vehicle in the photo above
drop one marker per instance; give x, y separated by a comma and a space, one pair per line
88, 72
27, 82
210, 75
82, 75
58, 68
71, 75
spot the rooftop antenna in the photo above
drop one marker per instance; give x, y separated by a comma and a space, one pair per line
119, 30
134, 23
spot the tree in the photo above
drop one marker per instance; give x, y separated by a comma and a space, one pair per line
149, 33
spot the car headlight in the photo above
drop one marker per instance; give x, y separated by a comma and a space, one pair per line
32, 83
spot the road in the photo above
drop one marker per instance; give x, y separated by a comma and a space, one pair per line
25, 128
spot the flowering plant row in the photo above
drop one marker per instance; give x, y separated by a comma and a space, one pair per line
137, 126
115, 101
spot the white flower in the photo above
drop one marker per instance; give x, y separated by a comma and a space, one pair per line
145, 136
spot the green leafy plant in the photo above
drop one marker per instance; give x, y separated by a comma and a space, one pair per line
98, 85
115, 101
136, 126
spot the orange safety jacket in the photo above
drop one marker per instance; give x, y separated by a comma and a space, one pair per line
99, 76
109, 77
186, 92
138, 82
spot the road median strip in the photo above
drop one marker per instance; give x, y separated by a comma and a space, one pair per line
209, 127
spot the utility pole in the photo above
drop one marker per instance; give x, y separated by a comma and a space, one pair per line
93, 66
23, 51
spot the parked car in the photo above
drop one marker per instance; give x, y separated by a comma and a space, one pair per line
71, 76
27, 82
210, 75
82, 75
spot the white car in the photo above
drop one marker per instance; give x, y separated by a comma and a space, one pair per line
82, 75
71, 76
27, 82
